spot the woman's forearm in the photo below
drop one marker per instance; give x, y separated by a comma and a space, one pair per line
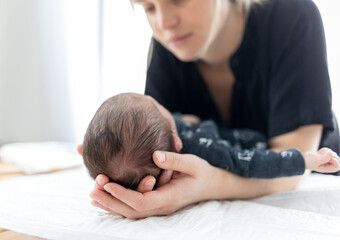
236, 187
231, 186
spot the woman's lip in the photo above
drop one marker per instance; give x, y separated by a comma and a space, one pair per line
179, 39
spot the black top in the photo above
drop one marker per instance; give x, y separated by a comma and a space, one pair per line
280, 69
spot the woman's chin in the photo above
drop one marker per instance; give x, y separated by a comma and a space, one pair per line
187, 56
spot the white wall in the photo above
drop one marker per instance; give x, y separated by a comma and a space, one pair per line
48, 68
331, 19
125, 45
32, 52
82, 31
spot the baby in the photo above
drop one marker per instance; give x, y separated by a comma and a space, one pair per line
129, 127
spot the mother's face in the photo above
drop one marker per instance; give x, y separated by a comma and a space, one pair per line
182, 26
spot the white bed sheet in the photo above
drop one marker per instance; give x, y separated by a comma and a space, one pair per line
57, 206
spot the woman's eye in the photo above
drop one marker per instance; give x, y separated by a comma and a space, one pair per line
179, 2
149, 9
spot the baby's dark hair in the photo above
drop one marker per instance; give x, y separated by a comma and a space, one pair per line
122, 136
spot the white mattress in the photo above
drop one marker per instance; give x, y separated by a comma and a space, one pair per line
57, 206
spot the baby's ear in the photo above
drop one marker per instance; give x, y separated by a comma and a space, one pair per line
178, 145
80, 149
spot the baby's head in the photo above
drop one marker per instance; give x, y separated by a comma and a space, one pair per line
122, 136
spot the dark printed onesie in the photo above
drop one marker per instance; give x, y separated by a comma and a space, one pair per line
241, 151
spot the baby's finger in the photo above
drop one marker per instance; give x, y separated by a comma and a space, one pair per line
331, 166
336, 163
327, 151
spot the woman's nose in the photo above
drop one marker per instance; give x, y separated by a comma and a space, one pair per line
167, 18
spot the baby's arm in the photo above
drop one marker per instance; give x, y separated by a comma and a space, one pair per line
205, 142
324, 161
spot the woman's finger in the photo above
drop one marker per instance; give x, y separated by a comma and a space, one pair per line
100, 181
121, 208
184, 163
97, 204
178, 144
136, 200
112, 204
146, 184
165, 177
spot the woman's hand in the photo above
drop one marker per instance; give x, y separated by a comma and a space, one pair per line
193, 180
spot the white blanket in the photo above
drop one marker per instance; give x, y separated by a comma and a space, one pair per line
40, 157
57, 206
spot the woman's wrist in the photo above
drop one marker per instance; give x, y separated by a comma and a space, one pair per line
219, 184
226, 185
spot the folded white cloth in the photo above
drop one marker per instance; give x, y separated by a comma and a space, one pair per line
57, 206
39, 157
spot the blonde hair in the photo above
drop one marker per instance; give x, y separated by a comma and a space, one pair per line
246, 2
214, 28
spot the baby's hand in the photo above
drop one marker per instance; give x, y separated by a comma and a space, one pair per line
324, 161
189, 118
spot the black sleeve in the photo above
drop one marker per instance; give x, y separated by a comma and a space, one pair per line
299, 90
255, 163
205, 142
162, 79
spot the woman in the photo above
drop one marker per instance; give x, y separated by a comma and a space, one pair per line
246, 64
